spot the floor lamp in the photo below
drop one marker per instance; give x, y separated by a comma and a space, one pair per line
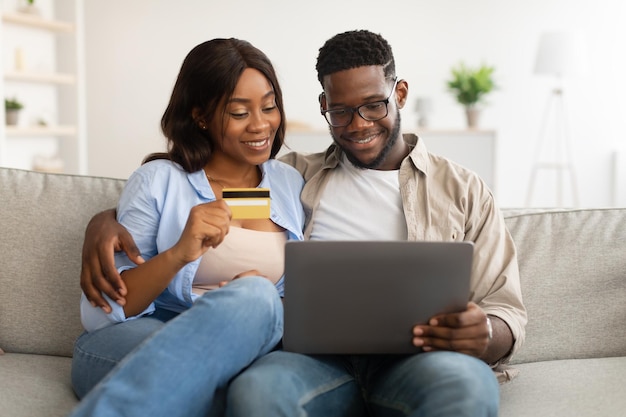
558, 54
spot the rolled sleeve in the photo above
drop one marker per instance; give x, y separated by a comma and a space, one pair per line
94, 318
496, 281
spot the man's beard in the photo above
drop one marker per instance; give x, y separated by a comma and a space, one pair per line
382, 155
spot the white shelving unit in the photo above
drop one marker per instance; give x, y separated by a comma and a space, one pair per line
50, 84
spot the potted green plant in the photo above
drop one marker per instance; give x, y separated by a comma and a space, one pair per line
470, 85
12, 109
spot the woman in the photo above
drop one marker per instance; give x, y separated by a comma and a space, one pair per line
192, 324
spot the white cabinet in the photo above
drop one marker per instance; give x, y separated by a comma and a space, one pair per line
473, 148
42, 66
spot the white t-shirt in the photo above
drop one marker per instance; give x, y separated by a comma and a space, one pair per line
360, 204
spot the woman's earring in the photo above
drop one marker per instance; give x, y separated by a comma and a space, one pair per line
202, 125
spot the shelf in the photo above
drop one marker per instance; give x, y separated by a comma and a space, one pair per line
37, 22
54, 41
40, 77
19, 131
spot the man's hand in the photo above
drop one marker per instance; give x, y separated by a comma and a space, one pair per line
103, 237
465, 332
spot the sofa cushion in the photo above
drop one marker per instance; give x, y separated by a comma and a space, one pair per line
35, 385
43, 219
573, 275
565, 388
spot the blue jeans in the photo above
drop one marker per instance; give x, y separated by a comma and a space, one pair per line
181, 365
428, 384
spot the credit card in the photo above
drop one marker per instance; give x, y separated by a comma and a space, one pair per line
248, 203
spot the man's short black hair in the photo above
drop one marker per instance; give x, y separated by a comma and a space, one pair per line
354, 49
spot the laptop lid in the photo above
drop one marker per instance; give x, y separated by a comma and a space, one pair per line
364, 297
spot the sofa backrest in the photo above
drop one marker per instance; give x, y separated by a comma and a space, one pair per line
42, 224
573, 273
572, 266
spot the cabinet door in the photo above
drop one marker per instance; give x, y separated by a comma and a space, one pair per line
473, 149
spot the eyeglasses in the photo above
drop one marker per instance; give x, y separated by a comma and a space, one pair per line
373, 111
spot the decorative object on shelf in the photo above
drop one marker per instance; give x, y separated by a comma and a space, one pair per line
29, 7
19, 59
423, 107
53, 164
470, 85
12, 109
558, 54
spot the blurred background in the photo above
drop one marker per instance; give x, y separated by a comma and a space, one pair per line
126, 54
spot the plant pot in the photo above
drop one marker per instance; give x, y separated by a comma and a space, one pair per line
12, 117
29, 9
472, 114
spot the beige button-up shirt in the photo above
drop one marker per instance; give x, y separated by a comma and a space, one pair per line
442, 201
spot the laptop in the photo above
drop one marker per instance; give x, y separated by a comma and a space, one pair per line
364, 297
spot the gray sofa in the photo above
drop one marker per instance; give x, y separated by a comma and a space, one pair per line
573, 267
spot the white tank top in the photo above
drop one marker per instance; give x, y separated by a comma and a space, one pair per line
241, 250
360, 204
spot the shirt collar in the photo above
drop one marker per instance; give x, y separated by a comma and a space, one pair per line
419, 154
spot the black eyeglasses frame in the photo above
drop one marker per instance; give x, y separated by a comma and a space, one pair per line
357, 109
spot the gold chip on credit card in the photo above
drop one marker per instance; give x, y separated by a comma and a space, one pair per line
248, 203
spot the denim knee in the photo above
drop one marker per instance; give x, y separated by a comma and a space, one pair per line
436, 383
467, 382
249, 394
249, 304
258, 294
291, 384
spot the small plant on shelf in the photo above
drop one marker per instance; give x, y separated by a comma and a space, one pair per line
12, 109
12, 104
469, 86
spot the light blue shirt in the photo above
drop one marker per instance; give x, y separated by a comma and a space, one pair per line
154, 207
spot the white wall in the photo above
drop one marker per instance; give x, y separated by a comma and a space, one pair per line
135, 48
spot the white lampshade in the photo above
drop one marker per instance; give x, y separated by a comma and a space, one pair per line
561, 53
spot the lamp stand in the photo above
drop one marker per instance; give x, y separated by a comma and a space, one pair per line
558, 159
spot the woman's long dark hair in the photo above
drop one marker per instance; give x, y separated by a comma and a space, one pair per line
208, 76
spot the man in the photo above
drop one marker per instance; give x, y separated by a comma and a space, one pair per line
418, 196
